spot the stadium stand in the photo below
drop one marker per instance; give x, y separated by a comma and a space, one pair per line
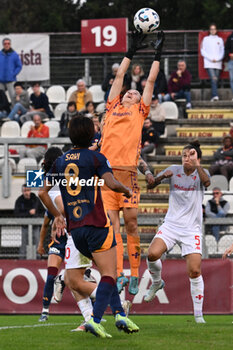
59, 109
224, 242
69, 91
10, 129
26, 127
218, 181
54, 128
171, 110
26, 163
97, 93
56, 94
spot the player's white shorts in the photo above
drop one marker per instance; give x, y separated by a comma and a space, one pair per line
189, 241
73, 258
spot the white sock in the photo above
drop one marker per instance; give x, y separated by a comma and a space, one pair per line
197, 294
155, 268
45, 309
93, 294
86, 308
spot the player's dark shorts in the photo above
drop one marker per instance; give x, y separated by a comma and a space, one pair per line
90, 239
58, 248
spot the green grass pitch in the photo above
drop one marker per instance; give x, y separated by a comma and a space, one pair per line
156, 332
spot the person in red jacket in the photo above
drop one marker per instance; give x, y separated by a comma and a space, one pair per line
179, 84
37, 130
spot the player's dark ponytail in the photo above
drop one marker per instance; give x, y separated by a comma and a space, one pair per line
196, 145
50, 156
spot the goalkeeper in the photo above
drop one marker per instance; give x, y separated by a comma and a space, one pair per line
121, 146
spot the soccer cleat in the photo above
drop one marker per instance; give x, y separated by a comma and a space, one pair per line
96, 329
123, 323
133, 285
80, 328
199, 319
122, 281
153, 290
44, 317
88, 276
126, 306
59, 286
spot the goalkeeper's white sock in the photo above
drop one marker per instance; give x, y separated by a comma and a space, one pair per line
155, 268
86, 308
197, 293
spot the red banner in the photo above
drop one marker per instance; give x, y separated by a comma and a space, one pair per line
201, 70
104, 35
22, 284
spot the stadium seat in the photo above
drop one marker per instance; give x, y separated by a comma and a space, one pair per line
25, 128
218, 181
224, 243
26, 163
69, 91
171, 110
12, 165
100, 108
54, 128
56, 94
211, 244
1, 151
30, 91
175, 250
97, 93
231, 185
11, 236
10, 129
59, 109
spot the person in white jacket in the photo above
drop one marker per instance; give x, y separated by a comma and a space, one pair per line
212, 49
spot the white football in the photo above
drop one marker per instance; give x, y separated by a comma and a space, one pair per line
146, 20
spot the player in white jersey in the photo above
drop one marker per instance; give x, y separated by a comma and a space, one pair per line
182, 224
76, 263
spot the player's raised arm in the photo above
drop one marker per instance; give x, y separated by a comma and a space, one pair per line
149, 88
136, 44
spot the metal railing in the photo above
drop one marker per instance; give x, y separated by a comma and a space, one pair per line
23, 141
147, 220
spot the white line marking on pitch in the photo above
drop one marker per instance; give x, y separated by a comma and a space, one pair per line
37, 325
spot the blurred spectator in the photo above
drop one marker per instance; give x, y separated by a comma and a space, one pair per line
108, 80
28, 205
97, 127
136, 77
212, 49
4, 105
223, 159
39, 130
66, 117
81, 96
20, 102
149, 138
229, 57
39, 105
10, 66
179, 84
160, 88
217, 207
157, 115
90, 110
